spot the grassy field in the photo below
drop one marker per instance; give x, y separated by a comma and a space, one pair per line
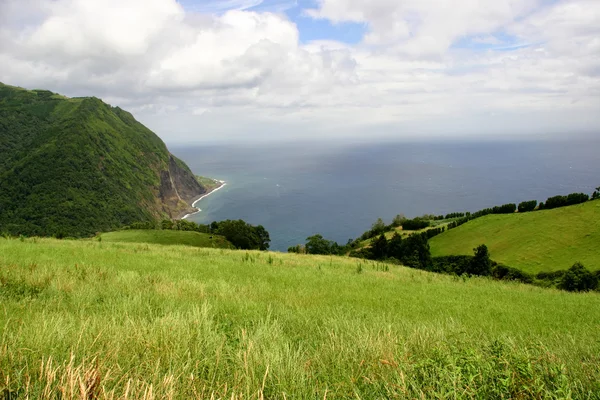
538, 241
90, 319
167, 237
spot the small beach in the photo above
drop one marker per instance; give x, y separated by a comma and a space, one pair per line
222, 184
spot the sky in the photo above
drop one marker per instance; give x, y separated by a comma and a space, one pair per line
199, 71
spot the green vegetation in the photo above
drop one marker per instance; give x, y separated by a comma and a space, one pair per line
242, 235
209, 183
540, 241
74, 167
90, 319
167, 237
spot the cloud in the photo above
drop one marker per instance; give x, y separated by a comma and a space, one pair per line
238, 70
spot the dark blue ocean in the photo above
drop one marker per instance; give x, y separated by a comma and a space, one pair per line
298, 189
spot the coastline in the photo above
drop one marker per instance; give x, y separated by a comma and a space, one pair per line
222, 184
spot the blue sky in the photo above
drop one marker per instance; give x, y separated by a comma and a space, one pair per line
310, 29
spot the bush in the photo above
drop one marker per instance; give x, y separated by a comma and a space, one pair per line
578, 279
481, 263
504, 273
505, 209
563, 201
415, 224
298, 249
451, 264
527, 206
317, 244
454, 215
242, 235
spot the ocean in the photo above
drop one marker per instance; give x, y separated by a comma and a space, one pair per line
299, 189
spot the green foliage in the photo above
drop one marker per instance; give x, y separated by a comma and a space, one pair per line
578, 279
398, 220
505, 273
378, 227
82, 319
242, 235
208, 183
74, 167
415, 224
298, 249
379, 248
563, 201
317, 244
527, 206
481, 263
167, 237
532, 242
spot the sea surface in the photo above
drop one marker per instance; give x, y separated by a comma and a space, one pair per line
299, 189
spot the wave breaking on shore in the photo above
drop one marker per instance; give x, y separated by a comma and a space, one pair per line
223, 184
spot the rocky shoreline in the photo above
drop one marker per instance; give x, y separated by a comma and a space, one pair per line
194, 210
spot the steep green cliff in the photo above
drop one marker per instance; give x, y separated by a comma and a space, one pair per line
77, 166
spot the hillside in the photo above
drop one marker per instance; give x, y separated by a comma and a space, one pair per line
73, 167
167, 237
545, 240
92, 319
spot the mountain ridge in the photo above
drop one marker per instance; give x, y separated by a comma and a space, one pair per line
77, 166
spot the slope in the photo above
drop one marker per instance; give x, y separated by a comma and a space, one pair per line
123, 320
73, 167
545, 240
167, 237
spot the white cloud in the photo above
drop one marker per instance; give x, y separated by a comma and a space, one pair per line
236, 72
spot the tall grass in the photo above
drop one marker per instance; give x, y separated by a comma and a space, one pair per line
87, 319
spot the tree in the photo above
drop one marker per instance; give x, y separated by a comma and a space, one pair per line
596, 194
317, 244
527, 206
578, 279
481, 263
416, 252
378, 227
264, 239
379, 248
398, 220
394, 246
243, 235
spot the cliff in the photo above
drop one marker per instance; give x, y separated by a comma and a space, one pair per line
74, 167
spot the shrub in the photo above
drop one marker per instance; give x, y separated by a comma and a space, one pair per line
505, 273
562, 201
527, 206
415, 224
451, 264
481, 263
578, 279
505, 209
243, 235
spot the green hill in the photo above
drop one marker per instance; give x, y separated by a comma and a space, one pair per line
73, 167
545, 240
89, 319
167, 237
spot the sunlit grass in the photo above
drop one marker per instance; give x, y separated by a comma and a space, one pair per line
533, 242
167, 237
91, 319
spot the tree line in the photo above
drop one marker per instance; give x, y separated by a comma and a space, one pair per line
239, 233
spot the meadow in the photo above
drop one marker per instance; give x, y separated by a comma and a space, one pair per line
166, 237
539, 241
98, 320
